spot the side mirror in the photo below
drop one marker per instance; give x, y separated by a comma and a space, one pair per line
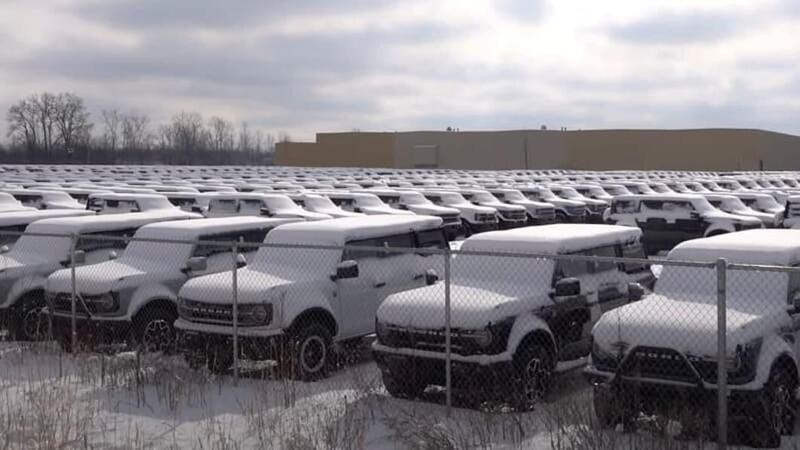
635, 292
112, 255
431, 277
197, 264
79, 257
266, 212
346, 270
694, 215
197, 209
241, 260
567, 287
4, 249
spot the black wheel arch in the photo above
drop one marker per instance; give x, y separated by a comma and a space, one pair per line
315, 315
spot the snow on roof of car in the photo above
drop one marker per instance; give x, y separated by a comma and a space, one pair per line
191, 229
674, 197
557, 239
765, 247
339, 231
108, 222
12, 218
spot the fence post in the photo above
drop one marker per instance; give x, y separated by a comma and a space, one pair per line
447, 355
74, 295
722, 360
235, 313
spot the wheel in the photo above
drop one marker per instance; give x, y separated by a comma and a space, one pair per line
309, 352
408, 387
534, 368
774, 413
561, 217
29, 324
467, 228
155, 329
612, 406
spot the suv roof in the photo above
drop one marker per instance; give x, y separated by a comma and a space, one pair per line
765, 247
90, 224
183, 229
557, 239
339, 231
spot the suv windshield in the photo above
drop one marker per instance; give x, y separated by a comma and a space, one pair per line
41, 248
484, 197
515, 196
452, 198
414, 198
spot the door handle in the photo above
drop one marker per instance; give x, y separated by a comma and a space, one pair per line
380, 285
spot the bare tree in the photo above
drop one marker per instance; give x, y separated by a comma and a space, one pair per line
72, 121
187, 133
135, 132
222, 136
45, 107
111, 131
22, 124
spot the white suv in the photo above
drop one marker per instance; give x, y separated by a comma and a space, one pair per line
660, 354
515, 320
295, 302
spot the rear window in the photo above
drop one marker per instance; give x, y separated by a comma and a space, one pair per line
222, 206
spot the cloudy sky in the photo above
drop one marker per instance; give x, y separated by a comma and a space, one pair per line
320, 65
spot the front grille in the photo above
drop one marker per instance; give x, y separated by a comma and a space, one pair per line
450, 218
576, 210
211, 313
513, 215
658, 363
62, 302
546, 213
486, 217
433, 340
597, 208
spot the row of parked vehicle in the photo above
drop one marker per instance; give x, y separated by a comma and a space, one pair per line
527, 303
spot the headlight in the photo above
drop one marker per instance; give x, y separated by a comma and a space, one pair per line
745, 357
483, 337
605, 359
106, 303
261, 314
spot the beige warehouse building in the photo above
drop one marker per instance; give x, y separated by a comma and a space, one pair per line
701, 149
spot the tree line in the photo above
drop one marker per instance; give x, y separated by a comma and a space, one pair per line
58, 128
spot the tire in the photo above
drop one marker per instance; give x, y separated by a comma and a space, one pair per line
533, 367
28, 323
154, 329
612, 406
774, 412
408, 387
468, 231
561, 217
309, 353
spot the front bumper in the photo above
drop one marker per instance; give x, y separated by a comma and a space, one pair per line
505, 224
94, 331
481, 227
464, 375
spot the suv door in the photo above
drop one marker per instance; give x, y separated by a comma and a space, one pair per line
688, 223
358, 298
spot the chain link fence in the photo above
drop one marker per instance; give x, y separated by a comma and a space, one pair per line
709, 353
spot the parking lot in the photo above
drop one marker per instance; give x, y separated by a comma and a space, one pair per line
224, 307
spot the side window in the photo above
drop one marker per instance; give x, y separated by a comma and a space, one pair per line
635, 250
249, 206
90, 242
29, 200
602, 266
222, 206
352, 250
624, 206
435, 199
432, 239
749, 201
654, 204
716, 203
247, 236
678, 206
568, 268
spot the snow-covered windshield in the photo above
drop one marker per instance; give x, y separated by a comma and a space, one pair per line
295, 263
702, 205
769, 202
484, 197
414, 198
617, 190
452, 198
276, 203
368, 200
41, 248
535, 274
569, 192
514, 196
150, 254
661, 188
319, 202
734, 204
747, 290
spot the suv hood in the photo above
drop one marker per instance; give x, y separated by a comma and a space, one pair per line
433, 210
503, 206
471, 307
218, 288
92, 279
688, 327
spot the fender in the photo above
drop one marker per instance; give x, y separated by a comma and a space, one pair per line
22, 286
772, 348
524, 325
713, 227
147, 293
295, 303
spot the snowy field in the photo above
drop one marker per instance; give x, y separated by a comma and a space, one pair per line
51, 400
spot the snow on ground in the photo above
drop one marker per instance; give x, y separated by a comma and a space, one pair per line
52, 400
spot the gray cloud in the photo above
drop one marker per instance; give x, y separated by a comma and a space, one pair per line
679, 28
148, 14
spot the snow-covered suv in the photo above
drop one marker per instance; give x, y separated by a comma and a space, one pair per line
14, 222
118, 203
734, 205
660, 354
571, 211
475, 218
669, 219
257, 204
509, 216
515, 320
133, 298
296, 302
45, 248
417, 203
368, 204
539, 213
